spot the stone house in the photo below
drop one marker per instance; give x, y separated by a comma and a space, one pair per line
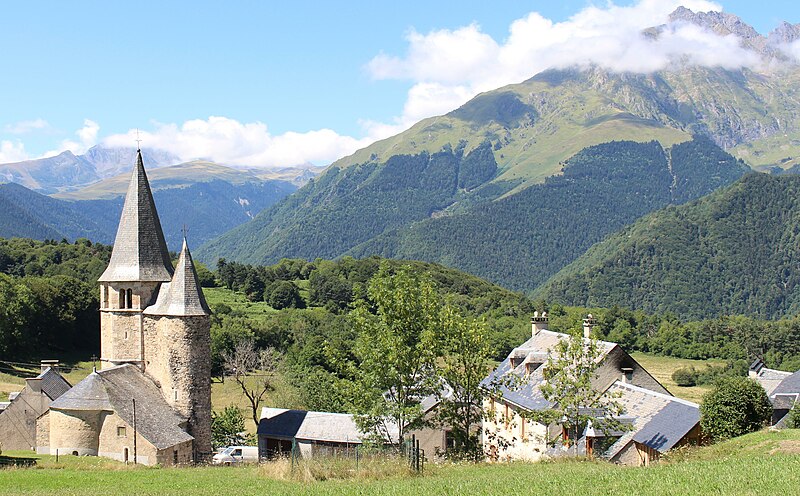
18, 419
508, 433
155, 349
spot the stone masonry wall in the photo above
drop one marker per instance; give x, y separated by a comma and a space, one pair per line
178, 359
75, 431
18, 421
121, 328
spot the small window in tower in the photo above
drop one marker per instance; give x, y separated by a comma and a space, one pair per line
130, 298
176, 394
121, 298
121, 431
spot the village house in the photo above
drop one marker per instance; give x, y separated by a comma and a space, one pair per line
151, 401
656, 421
18, 418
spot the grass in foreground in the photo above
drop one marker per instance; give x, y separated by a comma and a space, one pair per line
760, 463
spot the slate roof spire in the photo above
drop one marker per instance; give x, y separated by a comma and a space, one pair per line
140, 252
183, 296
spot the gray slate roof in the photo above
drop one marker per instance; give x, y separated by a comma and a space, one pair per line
113, 389
789, 385
308, 426
769, 378
140, 252
183, 296
659, 420
53, 384
535, 350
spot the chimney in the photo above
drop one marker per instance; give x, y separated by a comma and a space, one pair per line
49, 364
538, 322
588, 323
627, 374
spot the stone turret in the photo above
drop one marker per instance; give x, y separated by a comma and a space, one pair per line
139, 265
177, 337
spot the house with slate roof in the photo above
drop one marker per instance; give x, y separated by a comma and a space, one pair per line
784, 397
18, 419
151, 401
768, 378
656, 421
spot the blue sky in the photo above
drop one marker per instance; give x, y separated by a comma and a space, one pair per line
275, 83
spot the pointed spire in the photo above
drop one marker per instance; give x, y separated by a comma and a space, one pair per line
183, 296
140, 252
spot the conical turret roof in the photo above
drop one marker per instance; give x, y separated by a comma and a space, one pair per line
140, 252
183, 295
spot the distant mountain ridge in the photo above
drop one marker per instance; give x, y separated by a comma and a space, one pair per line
207, 208
67, 170
84, 176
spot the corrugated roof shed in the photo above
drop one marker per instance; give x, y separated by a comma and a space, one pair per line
140, 252
308, 426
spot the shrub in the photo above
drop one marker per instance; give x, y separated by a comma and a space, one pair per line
685, 377
736, 406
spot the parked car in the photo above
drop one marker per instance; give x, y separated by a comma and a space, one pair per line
236, 454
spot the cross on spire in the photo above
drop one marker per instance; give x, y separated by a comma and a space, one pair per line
185, 231
138, 141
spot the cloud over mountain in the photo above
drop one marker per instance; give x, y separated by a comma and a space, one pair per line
448, 67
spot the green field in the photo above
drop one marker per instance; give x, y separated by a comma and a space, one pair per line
762, 463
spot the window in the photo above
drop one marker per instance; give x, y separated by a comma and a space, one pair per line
175, 457
129, 298
449, 441
237, 452
175, 393
121, 431
122, 295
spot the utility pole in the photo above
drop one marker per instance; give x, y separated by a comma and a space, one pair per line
134, 430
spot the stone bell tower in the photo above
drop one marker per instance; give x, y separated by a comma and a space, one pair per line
177, 340
139, 265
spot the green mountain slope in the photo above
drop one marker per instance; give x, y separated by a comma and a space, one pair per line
732, 252
412, 207
522, 240
529, 130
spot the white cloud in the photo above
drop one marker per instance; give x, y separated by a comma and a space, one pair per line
24, 127
228, 141
448, 67
87, 138
12, 151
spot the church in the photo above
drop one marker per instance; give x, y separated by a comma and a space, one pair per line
150, 402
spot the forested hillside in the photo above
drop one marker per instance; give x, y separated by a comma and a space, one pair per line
522, 240
421, 207
49, 299
345, 207
732, 252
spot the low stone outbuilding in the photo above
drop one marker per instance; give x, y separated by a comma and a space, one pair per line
313, 433
18, 425
117, 413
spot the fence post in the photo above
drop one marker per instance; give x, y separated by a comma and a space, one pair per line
416, 456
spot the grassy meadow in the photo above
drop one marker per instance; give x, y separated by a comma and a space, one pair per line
761, 463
